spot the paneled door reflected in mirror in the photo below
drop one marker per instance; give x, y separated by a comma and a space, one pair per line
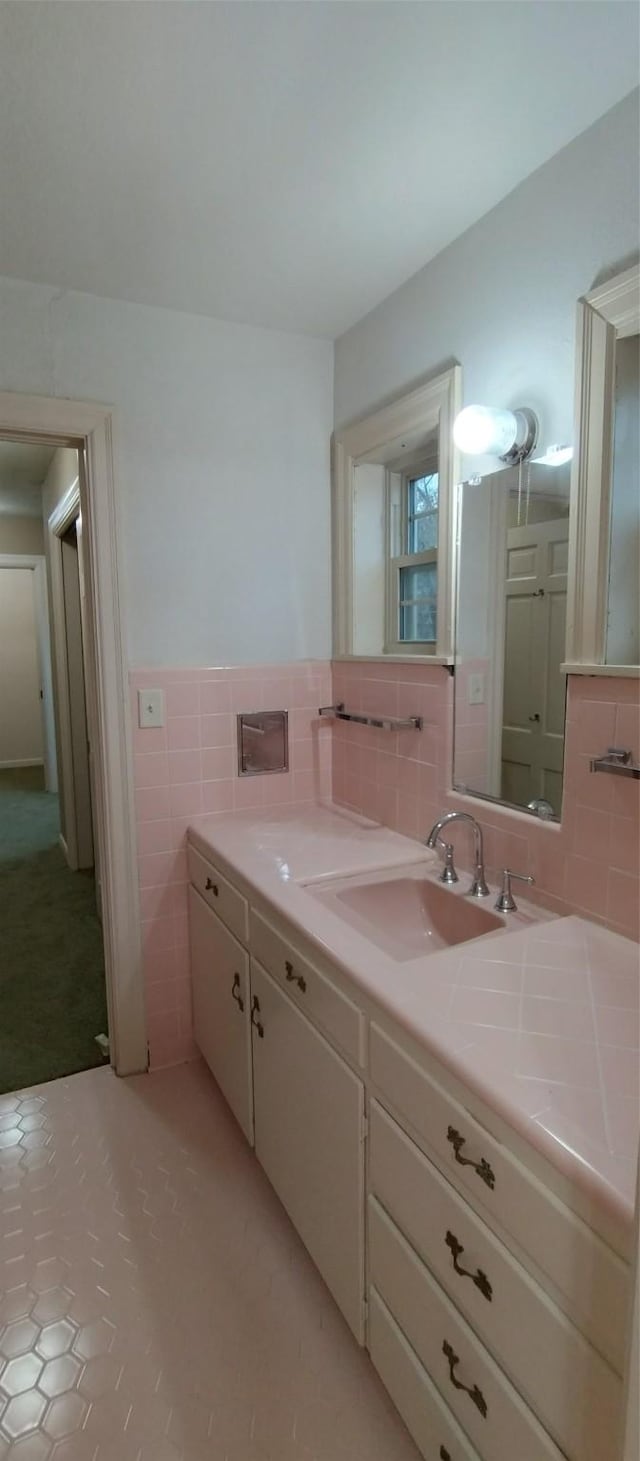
510, 638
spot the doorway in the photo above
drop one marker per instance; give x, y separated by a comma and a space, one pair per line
52, 971
51, 422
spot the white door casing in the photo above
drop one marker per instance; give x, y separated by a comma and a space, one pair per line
89, 427
72, 661
90, 698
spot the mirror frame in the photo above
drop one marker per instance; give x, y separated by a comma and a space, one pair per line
435, 402
607, 314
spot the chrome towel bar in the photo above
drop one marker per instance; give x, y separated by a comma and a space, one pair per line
617, 762
381, 722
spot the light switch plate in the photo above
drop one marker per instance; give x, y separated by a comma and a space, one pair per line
150, 708
476, 689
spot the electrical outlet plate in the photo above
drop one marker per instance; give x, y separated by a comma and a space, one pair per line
150, 708
476, 689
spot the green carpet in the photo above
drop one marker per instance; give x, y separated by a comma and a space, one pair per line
52, 992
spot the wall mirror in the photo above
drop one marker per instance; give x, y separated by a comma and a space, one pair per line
603, 612
510, 690
394, 527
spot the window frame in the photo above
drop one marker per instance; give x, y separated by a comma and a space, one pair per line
431, 406
423, 466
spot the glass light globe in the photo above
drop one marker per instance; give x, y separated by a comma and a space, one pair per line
485, 431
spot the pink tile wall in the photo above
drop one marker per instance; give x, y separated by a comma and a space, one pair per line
186, 771
588, 864
394, 777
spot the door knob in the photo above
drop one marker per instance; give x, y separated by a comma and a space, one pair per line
535, 717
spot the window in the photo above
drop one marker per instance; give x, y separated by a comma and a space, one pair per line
394, 493
412, 580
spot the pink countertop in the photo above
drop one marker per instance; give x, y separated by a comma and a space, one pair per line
541, 1022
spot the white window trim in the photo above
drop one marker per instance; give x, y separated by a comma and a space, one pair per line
607, 314
434, 404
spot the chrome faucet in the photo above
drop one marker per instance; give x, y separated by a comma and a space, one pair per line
478, 887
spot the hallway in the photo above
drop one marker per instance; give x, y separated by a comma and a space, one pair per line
158, 1305
51, 956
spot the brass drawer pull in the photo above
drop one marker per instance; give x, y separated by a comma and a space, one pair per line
255, 1010
211, 887
478, 1278
474, 1393
235, 992
293, 978
485, 1172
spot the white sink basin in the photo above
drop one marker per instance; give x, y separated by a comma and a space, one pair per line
408, 913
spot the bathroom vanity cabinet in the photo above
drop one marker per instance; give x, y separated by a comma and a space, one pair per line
494, 1313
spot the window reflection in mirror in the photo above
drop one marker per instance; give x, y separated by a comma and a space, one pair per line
623, 615
510, 637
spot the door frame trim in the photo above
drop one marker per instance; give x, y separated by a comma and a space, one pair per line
89, 427
65, 512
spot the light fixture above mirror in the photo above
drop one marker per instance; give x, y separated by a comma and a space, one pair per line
496, 432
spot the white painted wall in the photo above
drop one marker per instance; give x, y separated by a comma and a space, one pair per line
20, 534
501, 299
21, 740
222, 458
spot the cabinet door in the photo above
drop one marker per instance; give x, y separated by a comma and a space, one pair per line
220, 980
309, 1130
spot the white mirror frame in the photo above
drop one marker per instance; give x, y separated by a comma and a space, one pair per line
434, 403
607, 314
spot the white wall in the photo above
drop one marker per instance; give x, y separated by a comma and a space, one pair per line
222, 459
21, 740
20, 534
502, 298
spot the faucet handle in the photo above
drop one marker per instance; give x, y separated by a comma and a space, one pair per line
505, 902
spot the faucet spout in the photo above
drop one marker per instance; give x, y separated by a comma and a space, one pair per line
478, 887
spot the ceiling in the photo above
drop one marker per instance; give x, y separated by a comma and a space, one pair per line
283, 164
23, 469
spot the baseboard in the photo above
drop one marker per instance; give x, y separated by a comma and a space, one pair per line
15, 765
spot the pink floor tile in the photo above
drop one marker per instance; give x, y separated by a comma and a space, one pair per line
178, 1317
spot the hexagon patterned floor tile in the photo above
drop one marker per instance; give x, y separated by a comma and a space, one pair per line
155, 1302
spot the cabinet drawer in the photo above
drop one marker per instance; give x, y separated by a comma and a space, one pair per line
571, 1388
592, 1279
480, 1396
341, 1020
435, 1432
229, 905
